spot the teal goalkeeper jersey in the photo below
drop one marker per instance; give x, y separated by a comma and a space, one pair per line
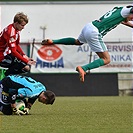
111, 19
18, 86
30, 88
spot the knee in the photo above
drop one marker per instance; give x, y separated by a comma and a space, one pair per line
7, 110
107, 61
26, 68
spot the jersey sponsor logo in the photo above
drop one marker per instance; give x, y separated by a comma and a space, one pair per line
14, 97
49, 53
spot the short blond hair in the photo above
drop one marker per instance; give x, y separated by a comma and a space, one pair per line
20, 17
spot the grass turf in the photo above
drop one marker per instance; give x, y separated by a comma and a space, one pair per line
74, 115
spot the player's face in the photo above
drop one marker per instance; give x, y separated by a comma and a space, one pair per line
20, 26
130, 17
42, 99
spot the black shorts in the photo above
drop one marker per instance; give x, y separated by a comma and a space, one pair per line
6, 109
10, 61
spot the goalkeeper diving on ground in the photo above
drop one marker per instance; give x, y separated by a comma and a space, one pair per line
14, 87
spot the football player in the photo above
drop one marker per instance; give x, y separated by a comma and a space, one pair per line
14, 87
92, 34
11, 54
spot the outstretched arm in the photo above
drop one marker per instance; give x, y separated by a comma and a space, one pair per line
128, 23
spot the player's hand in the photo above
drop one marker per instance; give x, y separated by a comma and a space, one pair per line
26, 110
31, 62
30, 59
18, 112
26, 57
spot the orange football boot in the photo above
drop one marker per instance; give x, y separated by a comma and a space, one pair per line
81, 72
47, 42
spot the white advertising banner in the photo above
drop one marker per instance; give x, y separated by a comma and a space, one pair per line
65, 58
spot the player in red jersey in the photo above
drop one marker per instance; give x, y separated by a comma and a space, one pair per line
11, 54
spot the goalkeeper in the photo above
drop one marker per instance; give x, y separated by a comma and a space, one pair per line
25, 88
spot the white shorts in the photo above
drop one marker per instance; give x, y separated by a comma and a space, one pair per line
91, 35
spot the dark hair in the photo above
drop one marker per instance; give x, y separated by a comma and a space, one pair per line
50, 97
129, 6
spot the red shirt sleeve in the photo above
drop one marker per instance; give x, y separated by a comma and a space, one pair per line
13, 44
18, 55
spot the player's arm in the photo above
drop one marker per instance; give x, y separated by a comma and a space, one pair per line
28, 103
128, 23
19, 50
17, 55
17, 111
13, 47
12, 98
12, 44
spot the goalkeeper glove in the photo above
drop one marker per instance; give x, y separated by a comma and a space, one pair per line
18, 112
26, 110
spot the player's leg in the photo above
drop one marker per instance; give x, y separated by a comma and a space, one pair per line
5, 64
104, 56
91, 35
18, 68
65, 41
6, 109
7, 61
83, 69
103, 60
15, 66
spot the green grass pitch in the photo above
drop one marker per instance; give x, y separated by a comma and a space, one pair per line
74, 115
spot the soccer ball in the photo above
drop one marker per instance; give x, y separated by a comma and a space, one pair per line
20, 105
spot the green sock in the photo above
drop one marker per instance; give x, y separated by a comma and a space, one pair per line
66, 41
95, 64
